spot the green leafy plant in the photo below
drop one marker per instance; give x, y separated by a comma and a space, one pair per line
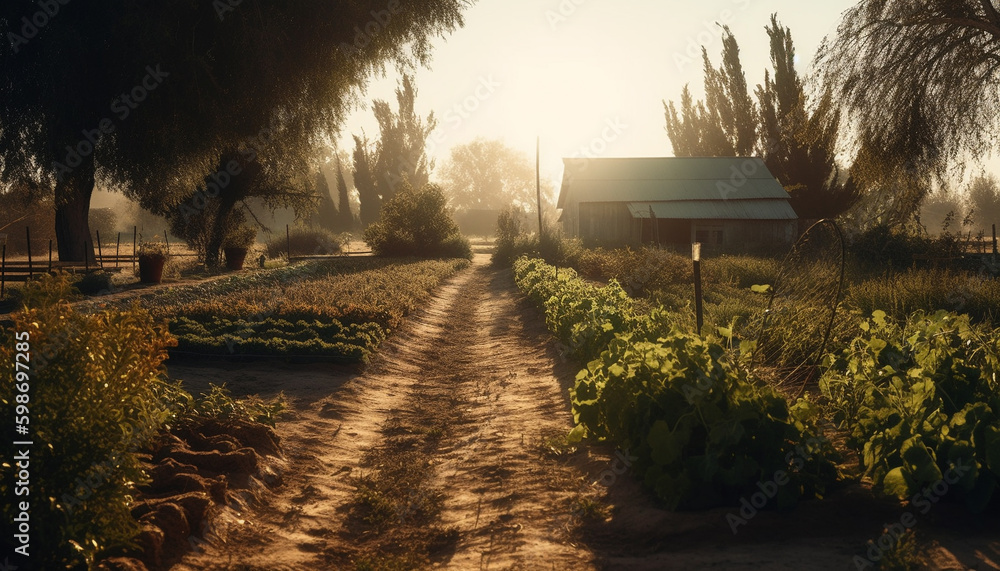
417, 222
703, 432
241, 236
153, 248
922, 400
95, 383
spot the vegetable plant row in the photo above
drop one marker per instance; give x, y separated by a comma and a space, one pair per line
920, 401
341, 309
704, 433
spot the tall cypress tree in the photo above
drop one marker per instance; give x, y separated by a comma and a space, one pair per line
345, 219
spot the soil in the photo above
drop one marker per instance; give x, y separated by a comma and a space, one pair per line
447, 451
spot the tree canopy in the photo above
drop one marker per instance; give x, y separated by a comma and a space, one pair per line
918, 78
796, 140
148, 98
486, 174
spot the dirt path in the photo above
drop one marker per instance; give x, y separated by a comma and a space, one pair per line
444, 453
477, 386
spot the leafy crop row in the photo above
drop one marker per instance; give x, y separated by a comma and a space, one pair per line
342, 308
703, 432
922, 402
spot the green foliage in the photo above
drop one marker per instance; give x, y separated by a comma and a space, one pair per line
95, 381
417, 222
885, 246
94, 283
270, 336
219, 403
510, 233
901, 294
922, 402
305, 241
702, 431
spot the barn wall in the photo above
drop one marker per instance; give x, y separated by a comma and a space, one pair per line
606, 223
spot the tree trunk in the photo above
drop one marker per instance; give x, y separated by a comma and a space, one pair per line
73, 194
213, 250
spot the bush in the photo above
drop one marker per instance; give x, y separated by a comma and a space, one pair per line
510, 233
95, 283
884, 246
305, 241
922, 402
417, 222
94, 385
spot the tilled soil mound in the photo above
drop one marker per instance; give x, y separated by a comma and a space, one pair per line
196, 469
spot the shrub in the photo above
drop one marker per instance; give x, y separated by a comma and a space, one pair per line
305, 241
509, 234
922, 402
417, 222
93, 385
884, 246
94, 283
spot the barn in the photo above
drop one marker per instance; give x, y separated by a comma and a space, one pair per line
726, 203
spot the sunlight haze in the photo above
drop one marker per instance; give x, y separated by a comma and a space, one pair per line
585, 76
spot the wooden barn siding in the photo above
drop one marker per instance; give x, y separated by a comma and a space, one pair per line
610, 223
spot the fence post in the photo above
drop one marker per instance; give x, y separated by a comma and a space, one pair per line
134, 228
3, 269
100, 254
118, 246
166, 239
288, 243
50, 255
994, 239
27, 232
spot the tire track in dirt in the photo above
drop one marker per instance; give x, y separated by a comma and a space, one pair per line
467, 362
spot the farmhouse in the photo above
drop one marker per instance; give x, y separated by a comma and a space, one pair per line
726, 203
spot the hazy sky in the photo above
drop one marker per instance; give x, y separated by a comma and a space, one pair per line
587, 75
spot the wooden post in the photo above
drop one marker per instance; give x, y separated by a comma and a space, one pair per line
134, 229
994, 239
3, 269
100, 253
166, 239
538, 186
27, 232
288, 243
696, 258
50, 255
86, 258
118, 246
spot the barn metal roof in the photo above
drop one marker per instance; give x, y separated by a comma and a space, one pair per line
764, 209
656, 179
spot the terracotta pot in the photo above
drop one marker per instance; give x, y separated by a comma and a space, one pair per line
151, 268
235, 258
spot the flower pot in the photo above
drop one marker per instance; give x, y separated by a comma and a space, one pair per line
235, 258
151, 268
